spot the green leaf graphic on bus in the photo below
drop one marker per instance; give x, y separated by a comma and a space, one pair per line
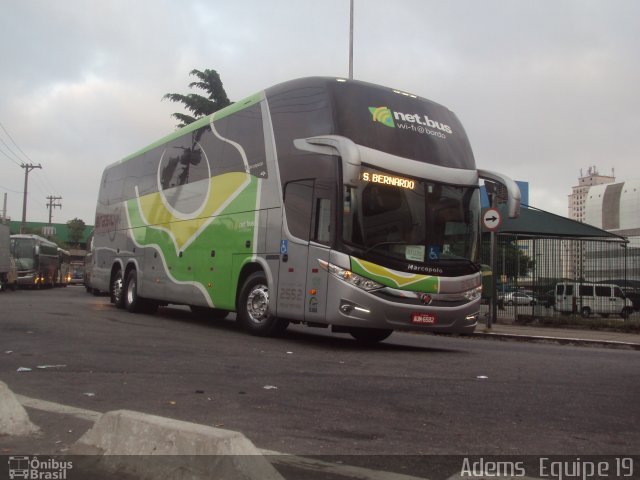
382, 115
185, 245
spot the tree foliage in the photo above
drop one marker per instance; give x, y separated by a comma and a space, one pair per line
76, 230
200, 105
511, 260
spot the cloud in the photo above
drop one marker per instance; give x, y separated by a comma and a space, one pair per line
542, 88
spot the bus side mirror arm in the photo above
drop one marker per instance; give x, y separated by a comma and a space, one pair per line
335, 145
513, 191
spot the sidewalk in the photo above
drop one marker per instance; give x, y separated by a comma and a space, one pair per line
574, 336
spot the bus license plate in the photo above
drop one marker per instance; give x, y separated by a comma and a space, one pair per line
423, 319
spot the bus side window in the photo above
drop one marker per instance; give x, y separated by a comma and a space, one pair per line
560, 290
323, 193
322, 232
298, 202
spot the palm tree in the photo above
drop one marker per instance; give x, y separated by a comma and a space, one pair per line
199, 105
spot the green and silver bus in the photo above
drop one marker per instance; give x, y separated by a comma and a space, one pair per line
322, 201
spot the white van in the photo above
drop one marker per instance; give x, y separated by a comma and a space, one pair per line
592, 298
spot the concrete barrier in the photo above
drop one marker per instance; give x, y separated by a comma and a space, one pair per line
180, 449
14, 419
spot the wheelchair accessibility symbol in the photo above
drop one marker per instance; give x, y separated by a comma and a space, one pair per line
284, 247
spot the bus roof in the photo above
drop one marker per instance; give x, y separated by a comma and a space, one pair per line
317, 81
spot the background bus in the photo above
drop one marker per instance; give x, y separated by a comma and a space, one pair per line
320, 200
63, 271
36, 260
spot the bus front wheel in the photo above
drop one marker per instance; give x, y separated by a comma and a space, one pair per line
253, 308
370, 335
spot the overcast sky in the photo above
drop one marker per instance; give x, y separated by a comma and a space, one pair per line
544, 88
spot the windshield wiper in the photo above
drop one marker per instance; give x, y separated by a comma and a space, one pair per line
384, 243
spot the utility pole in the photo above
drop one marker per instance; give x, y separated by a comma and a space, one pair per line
351, 40
51, 205
27, 168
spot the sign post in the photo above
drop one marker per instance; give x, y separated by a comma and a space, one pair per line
491, 220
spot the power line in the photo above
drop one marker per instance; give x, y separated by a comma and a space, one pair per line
9, 190
19, 161
14, 142
6, 155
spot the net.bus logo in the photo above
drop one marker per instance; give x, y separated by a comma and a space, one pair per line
407, 121
382, 115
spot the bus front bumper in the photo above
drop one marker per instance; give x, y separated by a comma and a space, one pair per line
350, 306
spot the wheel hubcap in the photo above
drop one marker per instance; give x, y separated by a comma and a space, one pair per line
117, 290
130, 289
258, 303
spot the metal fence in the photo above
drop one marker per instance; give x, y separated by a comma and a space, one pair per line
547, 278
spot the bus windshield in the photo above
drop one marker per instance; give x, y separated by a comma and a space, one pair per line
409, 220
22, 250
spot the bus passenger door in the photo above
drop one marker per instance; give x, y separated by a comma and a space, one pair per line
294, 249
322, 219
306, 238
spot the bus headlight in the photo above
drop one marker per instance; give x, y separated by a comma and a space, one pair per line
473, 294
348, 276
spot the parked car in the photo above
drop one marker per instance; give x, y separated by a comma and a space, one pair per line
547, 299
517, 298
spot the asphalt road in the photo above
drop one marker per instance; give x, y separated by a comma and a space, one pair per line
313, 393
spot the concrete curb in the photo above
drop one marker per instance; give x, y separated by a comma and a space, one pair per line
180, 449
559, 340
14, 419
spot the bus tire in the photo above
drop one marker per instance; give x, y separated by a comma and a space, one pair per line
370, 335
626, 312
133, 302
253, 308
117, 290
585, 312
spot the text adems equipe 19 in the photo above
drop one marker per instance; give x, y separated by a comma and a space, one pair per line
552, 468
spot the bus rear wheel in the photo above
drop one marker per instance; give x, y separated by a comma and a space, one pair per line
132, 301
253, 308
370, 335
117, 290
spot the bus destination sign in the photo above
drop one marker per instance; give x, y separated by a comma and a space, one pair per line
388, 180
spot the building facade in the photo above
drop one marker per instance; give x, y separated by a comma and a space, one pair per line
578, 197
600, 201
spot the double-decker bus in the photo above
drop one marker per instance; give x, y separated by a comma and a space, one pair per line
36, 260
322, 201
